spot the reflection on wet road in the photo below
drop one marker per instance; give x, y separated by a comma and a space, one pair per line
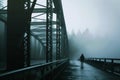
74, 71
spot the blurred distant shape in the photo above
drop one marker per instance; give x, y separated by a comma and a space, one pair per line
94, 46
1, 4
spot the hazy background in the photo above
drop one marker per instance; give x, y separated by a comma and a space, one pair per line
93, 27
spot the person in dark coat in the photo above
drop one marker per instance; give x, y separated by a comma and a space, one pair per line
82, 58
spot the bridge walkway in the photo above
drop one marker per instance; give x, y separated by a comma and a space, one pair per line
74, 71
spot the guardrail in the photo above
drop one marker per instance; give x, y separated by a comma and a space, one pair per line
107, 64
38, 72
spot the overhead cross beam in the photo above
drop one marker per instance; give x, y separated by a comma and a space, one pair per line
36, 10
42, 23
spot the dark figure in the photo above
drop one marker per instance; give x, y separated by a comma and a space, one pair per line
82, 58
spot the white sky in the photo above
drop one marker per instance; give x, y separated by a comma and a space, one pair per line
96, 15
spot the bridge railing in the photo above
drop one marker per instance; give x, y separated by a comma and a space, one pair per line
45, 71
107, 64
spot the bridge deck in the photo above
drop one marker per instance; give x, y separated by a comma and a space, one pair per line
74, 72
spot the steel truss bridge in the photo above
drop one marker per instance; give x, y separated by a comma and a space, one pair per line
35, 32
35, 45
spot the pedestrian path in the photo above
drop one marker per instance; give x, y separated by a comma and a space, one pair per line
74, 71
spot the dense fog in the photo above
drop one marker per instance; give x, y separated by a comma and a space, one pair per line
107, 45
93, 27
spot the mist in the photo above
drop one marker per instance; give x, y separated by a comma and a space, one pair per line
105, 46
93, 27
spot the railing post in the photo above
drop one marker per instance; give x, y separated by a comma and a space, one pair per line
112, 65
99, 59
104, 65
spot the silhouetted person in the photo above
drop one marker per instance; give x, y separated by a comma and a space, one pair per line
82, 58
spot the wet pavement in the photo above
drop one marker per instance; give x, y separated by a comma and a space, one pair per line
74, 71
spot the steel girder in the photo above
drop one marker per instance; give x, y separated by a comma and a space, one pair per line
62, 40
15, 34
18, 33
42, 23
49, 16
58, 37
61, 34
36, 10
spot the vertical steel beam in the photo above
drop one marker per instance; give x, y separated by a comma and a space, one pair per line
18, 33
62, 42
27, 33
49, 45
65, 45
28, 13
15, 34
58, 37
63, 48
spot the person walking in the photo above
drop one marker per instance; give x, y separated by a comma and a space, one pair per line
82, 58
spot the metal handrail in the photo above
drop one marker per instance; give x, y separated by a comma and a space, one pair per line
105, 58
14, 72
107, 64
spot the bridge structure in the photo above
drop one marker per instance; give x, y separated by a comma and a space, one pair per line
35, 34
34, 45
